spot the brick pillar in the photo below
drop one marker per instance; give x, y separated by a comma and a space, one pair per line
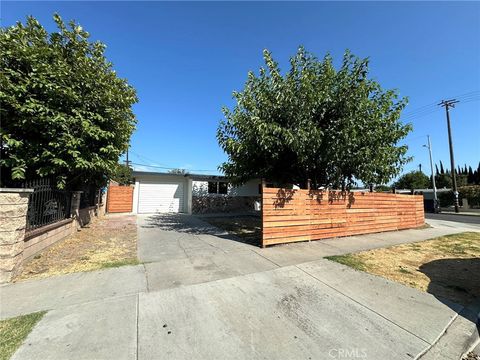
13, 220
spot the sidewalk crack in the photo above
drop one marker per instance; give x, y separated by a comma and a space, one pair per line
364, 306
146, 277
136, 327
273, 262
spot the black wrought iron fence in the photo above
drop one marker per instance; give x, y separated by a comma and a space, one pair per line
47, 204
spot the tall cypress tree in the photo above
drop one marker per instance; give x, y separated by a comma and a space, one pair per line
471, 176
477, 176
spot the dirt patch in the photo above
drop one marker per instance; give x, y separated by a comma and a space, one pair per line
248, 228
107, 242
447, 266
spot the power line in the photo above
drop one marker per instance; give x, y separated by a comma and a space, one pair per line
144, 157
433, 107
431, 110
169, 168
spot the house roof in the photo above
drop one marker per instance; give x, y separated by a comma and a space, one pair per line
200, 177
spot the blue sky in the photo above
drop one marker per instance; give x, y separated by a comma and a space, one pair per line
185, 59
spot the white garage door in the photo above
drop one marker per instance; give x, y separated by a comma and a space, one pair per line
160, 197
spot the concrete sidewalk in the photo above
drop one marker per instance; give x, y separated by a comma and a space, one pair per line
312, 311
204, 294
183, 250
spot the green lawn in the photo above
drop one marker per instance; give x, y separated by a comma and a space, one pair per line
349, 260
14, 331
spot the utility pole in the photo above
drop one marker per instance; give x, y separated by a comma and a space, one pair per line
435, 199
127, 162
420, 167
447, 104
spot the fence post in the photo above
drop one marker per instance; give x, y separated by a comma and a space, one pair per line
264, 184
13, 215
75, 205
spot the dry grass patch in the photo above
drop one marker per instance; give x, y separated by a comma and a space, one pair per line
108, 242
446, 266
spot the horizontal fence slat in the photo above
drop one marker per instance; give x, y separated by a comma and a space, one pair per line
304, 215
119, 199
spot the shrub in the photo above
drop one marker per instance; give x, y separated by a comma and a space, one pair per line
471, 193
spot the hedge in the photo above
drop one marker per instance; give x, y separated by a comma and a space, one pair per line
471, 193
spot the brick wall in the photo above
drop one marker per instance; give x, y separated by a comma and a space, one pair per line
43, 237
13, 214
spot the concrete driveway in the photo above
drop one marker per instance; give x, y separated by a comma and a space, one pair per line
202, 294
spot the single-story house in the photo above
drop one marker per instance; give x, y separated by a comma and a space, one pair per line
428, 196
191, 193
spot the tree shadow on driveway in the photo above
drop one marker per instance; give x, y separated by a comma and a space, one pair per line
189, 224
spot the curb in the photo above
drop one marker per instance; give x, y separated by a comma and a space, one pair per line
458, 339
460, 214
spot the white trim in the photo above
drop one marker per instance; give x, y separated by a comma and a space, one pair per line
189, 196
135, 197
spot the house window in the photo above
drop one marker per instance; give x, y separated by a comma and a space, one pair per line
222, 188
212, 187
217, 187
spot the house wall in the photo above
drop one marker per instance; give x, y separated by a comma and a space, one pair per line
238, 198
196, 197
223, 203
200, 188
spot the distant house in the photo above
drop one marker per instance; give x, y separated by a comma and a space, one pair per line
428, 196
157, 192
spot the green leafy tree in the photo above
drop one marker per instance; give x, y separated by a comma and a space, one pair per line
383, 188
443, 181
122, 174
413, 180
65, 112
178, 171
315, 122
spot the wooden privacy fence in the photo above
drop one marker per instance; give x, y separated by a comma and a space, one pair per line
119, 199
304, 215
